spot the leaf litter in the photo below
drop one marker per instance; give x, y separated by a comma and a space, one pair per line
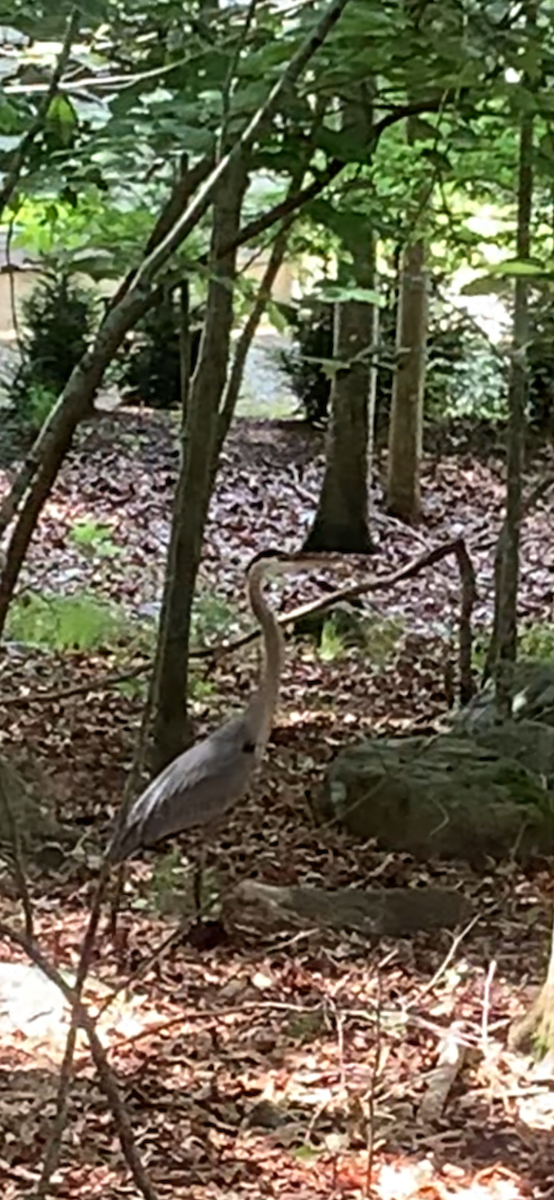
279, 1067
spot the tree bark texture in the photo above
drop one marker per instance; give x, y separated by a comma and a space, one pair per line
342, 518
192, 497
507, 572
341, 521
406, 421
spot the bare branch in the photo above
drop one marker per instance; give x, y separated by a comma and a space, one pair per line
201, 202
228, 85
349, 593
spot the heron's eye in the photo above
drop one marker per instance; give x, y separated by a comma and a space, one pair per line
249, 747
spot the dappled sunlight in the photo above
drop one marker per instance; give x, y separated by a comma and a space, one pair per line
249, 1065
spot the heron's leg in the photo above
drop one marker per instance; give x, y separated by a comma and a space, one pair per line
197, 885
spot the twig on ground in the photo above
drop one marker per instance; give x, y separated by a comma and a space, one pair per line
456, 942
78, 689
370, 1097
486, 1008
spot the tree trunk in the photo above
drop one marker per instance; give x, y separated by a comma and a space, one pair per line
342, 518
341, 521
507, 566
406, 421
199, 440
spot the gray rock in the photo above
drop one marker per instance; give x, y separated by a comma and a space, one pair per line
447, 796
533, 699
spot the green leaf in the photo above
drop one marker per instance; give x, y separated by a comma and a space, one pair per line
342, 295
62, 119
497, 277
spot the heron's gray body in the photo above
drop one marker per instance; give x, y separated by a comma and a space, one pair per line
199, 786
196, 788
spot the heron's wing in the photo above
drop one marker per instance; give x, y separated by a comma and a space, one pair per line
196, 788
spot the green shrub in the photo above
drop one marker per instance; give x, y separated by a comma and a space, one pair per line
94, 538
151, 373
78, 622
58, 320
464, 375
37, 405
537, 642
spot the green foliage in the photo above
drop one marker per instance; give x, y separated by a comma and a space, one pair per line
212, 618
348, 627
58, 319
464, 375
60, 623
332, 644
537, 642
381, 638
94, 538
152, 370
35, 406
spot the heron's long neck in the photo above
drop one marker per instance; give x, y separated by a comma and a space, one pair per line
265, 698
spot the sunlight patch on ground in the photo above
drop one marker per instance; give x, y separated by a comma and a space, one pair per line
34, 1016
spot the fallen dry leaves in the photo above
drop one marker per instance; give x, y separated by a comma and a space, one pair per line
248, 1069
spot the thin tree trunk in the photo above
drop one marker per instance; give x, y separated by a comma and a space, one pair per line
406, 421
507, 572
200, 431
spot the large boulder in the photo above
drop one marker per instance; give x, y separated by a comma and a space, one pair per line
533, 699
449, 796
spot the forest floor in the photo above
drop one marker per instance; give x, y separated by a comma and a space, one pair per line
285, 1067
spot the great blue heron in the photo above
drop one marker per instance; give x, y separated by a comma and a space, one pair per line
199, 786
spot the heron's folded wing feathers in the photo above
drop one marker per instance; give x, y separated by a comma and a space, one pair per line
196, 788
